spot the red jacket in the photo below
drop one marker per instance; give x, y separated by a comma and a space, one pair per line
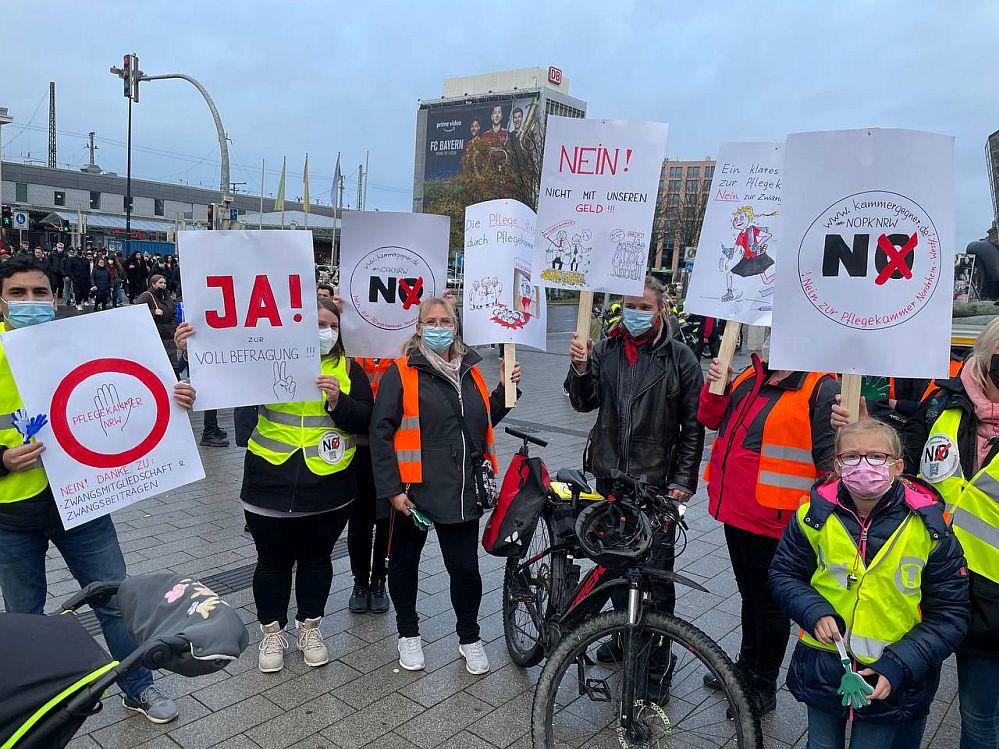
734, 467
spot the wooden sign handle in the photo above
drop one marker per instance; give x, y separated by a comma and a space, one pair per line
725, 355
583, 315
509, 360
850, 395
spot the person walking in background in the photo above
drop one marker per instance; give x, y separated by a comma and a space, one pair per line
431, 430
164, 312
102, 284
869, 564
774, 440
80, 271
136, 274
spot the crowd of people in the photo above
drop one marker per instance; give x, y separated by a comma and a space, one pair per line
877, 537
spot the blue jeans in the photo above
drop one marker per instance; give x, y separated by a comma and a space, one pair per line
92, 554
828, 731
976, 679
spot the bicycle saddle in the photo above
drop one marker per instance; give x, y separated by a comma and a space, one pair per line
574, 478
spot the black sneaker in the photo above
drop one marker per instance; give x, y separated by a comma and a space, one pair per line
378, 598
210, 439
358, 602
610, 651
221, 433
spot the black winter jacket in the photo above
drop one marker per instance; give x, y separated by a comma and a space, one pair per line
291, 486
647, 420
912, 664
983, 634
447, 493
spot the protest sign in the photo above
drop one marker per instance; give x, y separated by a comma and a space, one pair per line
599, 184
866, 269
113, 434
501, 304
389, 263
964, 274
734, 269
250, 296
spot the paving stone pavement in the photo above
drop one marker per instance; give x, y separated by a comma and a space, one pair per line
362, 697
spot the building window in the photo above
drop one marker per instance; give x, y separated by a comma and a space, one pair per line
676, 171
693, 171
59, 197
673, 199
674, 185
21, 192
691, 185
709, 171
158, 206
189, 211
95, 200
691, 198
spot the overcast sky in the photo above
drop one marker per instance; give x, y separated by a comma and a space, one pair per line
323, 77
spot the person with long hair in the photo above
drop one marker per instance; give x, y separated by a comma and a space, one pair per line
298, 484
431, 431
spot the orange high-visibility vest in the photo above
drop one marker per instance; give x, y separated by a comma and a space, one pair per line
787, 470
374, 369
407, 437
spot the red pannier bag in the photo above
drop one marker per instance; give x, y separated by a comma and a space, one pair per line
509, 529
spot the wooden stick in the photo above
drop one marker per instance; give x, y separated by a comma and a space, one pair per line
509, 360
583, 315
850, 392
725, 354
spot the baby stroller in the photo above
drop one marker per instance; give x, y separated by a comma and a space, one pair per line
53, 673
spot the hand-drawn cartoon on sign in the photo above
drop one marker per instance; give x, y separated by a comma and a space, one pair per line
868, 237
734, 273
113, 434
389, 263
599, 183
501, 304
250, 296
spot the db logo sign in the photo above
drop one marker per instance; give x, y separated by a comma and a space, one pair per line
870, 260
555, 75
388, 285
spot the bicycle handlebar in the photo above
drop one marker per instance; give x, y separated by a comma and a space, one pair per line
525, 436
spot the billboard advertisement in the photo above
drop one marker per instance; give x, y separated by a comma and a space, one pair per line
460, 138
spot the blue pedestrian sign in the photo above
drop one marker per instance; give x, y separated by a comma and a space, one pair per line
234, 214
20, 219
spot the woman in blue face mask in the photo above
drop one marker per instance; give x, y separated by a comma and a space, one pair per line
431, 433
644, 386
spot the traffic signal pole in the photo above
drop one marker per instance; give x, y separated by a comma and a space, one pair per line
128, 184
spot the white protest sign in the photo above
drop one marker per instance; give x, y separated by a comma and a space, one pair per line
114, 434
599, 184
867, 264
389, 263
251, 297
501, 305
734, 271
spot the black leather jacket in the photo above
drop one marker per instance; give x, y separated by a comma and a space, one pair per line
647, 420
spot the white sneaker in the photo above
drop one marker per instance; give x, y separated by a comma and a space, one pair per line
271, 657
79, 308
411, 653
310, 642
474, 654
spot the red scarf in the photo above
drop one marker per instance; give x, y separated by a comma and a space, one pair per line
632, 343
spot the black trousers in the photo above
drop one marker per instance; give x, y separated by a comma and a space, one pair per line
765, 628
281, 544
367, 538
460, 548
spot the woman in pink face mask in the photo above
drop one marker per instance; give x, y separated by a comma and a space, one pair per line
868, 565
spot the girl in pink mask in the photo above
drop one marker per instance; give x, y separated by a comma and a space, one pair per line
869, 565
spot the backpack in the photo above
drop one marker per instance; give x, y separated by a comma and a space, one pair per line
509, 529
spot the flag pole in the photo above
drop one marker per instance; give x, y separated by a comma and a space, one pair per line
305, 191
284, 163
261, 214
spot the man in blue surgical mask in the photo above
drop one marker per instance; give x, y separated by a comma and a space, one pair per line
29, 520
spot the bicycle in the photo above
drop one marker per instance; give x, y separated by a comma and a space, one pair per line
653, 696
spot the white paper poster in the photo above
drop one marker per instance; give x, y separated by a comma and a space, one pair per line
739, 247
867, 265
113, 434
599, 185
251, 297
389, 263
501, 304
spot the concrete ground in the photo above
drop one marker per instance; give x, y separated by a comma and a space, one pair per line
362, 697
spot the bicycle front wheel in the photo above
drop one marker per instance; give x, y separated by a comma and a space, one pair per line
579, 700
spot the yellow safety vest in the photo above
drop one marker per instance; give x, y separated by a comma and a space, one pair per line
16, 485
880, 603
285, 428
972, 505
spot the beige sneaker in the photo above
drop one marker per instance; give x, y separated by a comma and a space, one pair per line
271, 657
310, 642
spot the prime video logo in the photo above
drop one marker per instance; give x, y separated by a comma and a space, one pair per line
449, 127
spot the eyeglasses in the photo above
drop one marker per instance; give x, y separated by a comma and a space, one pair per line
445, 322
874, 459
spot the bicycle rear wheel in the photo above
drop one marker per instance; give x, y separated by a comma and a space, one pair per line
578, 701
531, 592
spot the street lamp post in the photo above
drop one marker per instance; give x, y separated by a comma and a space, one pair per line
5, 119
